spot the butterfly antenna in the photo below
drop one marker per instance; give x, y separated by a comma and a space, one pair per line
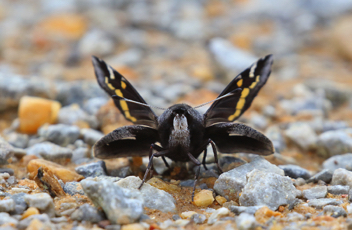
136, 102
234, 92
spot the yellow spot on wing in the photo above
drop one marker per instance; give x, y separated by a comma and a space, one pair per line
254, 83
118, 93
240, 103
111, 87
106, 80
124, 107
239, 83
233, 116
244, 93
123, 84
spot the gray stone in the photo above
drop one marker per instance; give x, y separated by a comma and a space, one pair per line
72, 114
339, 161
61, 219
320, 203
229, 56
11, 180
18, 140
73, 188
315, 192
44, 218
228, 162
51, 152
198, 218
88, 213
350, 195
91, 136
295, 171
217, 214
335, 142
324, 175
241, 209
76, 92
79, 154
20, 203
334, 211
6, 151
41, 201
94, 169
14, 87
294, 217
7, 205
93, 105
299, 182
268, 189
231, 183
302, 135
5, 218
96, 42
60, 134
342, 177
121, 172
338, 189
246, 221
153, 198
120, 205
7, 170
176, 217
276, 137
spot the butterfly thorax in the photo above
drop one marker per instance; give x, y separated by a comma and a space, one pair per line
181, 131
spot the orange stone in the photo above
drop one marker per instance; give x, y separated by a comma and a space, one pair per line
70, 26
220, 199
35, 225
34, 112
204, 198
59, 171
30, 211
160, 184
263, 214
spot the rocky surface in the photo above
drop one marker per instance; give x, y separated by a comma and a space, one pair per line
53, 112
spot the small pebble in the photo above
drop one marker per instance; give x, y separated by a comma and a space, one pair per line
299, 182
91, 136
217, 215
324, 175
246, 221
41, 201
187, 214
220, 199
7, 205
315, 192
30, 211
60, 134
319, 203
92, 170
34, 112
133, 227
334, 211
295, 171
73, 188
51, 152
204, 198
198, 218
88, 213
338, 189
342, 177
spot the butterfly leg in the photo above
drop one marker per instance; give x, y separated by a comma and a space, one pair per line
204, 157
158, 148
215, 154
150, 164
196, 162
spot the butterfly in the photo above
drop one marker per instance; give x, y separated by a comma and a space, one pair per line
181, 133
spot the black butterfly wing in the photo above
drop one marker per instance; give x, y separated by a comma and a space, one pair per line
250, 81
237, 137
115, 84
133, 140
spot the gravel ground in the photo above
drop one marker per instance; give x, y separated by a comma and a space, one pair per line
52, 111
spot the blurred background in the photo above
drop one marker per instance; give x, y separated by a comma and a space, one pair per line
187, 51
